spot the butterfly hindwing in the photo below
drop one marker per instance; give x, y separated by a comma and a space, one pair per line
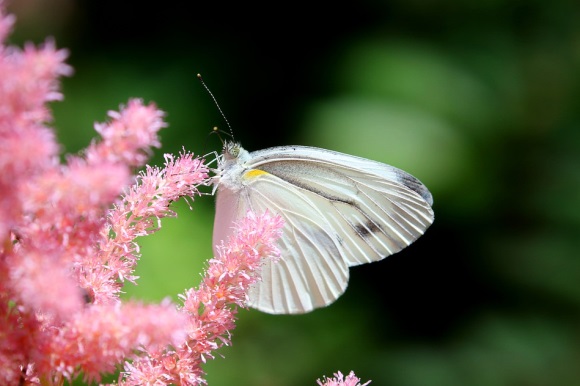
311, 270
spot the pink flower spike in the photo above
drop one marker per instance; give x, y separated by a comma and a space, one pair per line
79, 189
97, 340
130, 135
25, 151
212, 308
339, 380
137, 214
45, 285
46, 64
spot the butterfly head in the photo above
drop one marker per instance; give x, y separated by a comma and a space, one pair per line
231, 163
231, 150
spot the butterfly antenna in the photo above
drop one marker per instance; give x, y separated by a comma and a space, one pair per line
217, 105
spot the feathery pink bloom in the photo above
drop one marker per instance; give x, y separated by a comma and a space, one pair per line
339, 380
100, 338
212, 308
67, 231
129, 136
138, 214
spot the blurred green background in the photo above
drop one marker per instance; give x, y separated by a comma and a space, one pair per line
479, 100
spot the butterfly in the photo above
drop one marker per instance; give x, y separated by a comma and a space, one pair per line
339, 211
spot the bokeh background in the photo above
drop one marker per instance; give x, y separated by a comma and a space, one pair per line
479, 100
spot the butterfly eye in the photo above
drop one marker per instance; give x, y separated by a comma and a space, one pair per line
233, 149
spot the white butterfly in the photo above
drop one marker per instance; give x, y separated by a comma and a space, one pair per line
339, 211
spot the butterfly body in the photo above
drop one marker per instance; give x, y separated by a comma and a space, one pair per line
339, 211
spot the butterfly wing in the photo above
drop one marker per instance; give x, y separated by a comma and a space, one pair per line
311, 272
375, 209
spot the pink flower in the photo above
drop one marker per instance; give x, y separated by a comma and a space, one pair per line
67, 231
138, 214
129, 136
41, 283
339, 380
212, 308
100, 338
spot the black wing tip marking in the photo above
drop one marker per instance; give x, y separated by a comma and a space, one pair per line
415, 185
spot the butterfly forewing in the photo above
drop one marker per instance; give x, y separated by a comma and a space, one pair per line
371, 206
334, 159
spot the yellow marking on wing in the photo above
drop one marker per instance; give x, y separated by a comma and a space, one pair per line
254, 173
